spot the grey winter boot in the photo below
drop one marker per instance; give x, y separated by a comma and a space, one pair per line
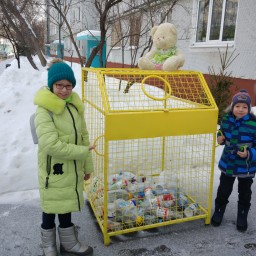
48, 237
218, 215
69, 242
242, 213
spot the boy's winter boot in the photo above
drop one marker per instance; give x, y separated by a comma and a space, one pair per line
242, 213
218, 215
69, 242
48, 237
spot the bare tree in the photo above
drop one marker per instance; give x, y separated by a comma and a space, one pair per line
8, 34
103, 7
63, 13
23, 33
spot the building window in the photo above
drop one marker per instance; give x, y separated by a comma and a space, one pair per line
78, 14
216, 20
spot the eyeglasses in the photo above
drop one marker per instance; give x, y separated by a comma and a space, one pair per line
67, 86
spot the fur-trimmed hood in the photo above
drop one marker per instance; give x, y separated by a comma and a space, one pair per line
48, 100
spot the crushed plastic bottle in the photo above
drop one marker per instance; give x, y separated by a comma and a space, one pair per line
113, 225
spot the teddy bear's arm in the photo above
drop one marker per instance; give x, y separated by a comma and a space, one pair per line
150, 54
181, 57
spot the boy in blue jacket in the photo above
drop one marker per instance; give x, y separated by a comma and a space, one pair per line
238, 134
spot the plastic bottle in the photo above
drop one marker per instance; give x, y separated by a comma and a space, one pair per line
120, 203
159, 189
191, 210
140, 186
165, 197
112, 178
132, 188
149, 219
148, 192
163, 213
167, 204
117, 194
182, 200
113, 225
121, 183
111, 210
149, 206
129, 176
127, 212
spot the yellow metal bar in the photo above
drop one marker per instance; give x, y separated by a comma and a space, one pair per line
163, 153
159, 224
103, 91
208, 219
173, 123
105, 217
83, 96
96, 107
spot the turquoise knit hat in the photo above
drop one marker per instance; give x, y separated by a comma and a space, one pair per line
60, 71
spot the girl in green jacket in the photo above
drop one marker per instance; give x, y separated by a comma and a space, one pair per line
64, 159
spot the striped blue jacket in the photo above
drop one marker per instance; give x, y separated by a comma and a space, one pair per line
239, 133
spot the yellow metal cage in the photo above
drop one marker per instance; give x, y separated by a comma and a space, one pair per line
155, 137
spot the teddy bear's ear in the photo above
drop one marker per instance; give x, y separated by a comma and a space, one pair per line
153, 30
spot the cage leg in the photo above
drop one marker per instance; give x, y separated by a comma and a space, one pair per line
208, 219
106, 239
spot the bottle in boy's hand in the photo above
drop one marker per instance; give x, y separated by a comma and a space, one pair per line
242, 148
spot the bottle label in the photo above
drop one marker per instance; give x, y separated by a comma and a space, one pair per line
162, 212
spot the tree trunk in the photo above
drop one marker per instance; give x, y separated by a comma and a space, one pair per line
28, 36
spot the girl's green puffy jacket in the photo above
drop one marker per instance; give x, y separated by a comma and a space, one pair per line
63, 151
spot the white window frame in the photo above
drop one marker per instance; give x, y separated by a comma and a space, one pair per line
208, 42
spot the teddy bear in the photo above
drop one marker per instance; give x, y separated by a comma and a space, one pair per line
164, 54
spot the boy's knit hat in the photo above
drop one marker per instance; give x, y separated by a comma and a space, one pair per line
241, 97
60, 71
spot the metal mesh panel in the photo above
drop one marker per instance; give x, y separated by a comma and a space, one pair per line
125, 91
